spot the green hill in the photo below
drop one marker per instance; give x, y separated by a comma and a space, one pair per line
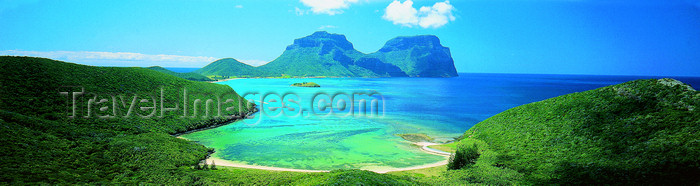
229, 67
189, 76
326, 54
42, 145
639, 132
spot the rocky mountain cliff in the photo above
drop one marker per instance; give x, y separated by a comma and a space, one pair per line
327, 54
418, 56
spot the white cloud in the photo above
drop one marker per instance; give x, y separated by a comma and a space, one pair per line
117, 58
427, 17
327, 27
253, 62
330, 7
239, 6
401, 13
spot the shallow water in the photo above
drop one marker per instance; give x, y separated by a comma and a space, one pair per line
443, 108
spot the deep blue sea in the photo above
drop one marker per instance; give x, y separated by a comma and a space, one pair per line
442, 108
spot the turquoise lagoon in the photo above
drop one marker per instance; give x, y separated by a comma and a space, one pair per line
442, 108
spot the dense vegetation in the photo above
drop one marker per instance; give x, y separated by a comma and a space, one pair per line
41, 144
238, 176
639, 132
644, 131
464, 156
189, 75
475, 163
325, 54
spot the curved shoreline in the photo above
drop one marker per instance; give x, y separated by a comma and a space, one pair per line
377, 169
425, 148
219, 124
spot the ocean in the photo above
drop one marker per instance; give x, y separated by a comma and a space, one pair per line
442, 108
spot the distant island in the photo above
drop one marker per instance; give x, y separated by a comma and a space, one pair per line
332, 55
306, 84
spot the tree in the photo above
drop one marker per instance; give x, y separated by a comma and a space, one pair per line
463, 157
205, 166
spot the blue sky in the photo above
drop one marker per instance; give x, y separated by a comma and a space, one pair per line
615, 37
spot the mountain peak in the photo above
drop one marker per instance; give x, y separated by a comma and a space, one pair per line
406, 42
419, 56
321, 33
322, 39
328, 54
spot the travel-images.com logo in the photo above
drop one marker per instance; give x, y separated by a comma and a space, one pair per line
188, 104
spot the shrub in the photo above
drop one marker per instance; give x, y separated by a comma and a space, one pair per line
463, 157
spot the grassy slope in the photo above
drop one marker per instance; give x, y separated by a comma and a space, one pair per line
238, 176
486, 170
189, 76
643, 131
41, 145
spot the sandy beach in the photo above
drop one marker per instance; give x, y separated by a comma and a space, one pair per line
425, 148
377, 169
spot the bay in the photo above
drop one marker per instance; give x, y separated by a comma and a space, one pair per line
442, 108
